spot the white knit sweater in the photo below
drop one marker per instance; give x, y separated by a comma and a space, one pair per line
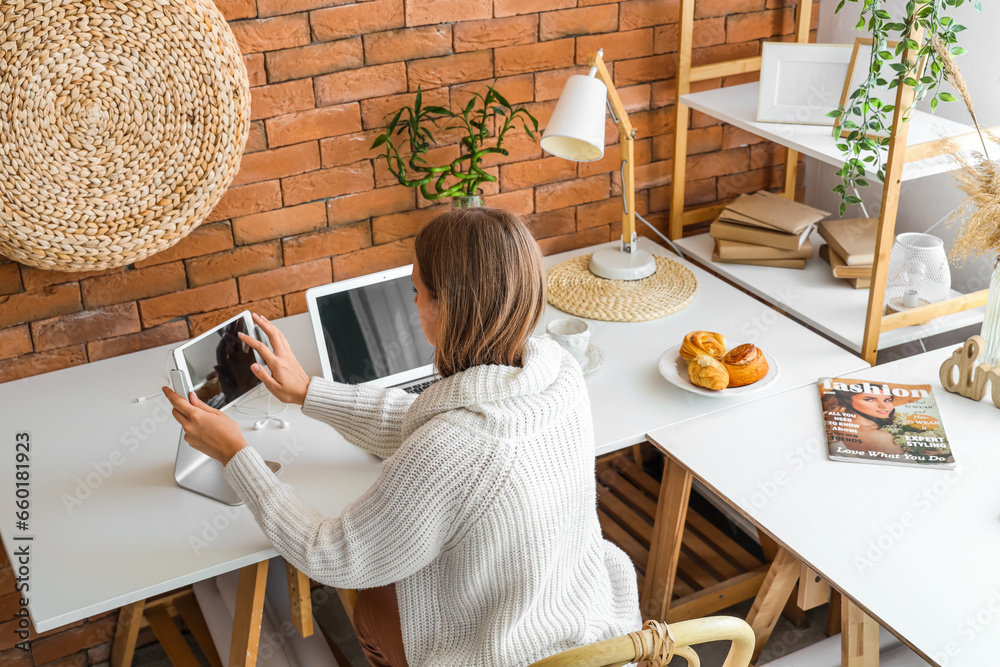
484, 513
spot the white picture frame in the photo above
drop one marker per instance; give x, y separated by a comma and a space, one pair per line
801, 83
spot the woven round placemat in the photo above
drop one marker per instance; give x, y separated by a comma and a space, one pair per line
575, 290
121, 126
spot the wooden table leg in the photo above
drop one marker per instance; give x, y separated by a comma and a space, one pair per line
858, 638
348, 597
126, 633
833, 613
772, 597
187, 607
170, 637
246, 621
299, 600
665, 547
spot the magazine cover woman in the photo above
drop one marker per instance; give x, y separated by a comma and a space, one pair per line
863, 417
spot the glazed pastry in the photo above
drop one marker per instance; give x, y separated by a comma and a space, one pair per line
746, 364
707, 371
703, 342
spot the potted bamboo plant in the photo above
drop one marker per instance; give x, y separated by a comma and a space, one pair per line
484, 120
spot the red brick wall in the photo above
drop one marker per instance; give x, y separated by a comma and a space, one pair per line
310, 206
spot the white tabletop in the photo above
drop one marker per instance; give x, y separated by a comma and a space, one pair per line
815, 297
110, 526
916, 548
629, 397
738, 105
135, 534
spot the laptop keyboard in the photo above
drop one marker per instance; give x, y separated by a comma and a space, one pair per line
418, 388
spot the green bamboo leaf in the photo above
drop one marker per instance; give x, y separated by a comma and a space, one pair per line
379, 140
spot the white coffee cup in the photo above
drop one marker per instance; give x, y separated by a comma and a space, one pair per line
572, 334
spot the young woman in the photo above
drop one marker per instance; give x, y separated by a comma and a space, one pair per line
871, 412
479, 543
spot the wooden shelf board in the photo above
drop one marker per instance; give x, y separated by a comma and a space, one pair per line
738, 105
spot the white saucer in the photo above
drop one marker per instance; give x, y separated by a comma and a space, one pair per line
595, 359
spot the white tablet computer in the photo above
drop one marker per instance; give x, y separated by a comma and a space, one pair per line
216, 364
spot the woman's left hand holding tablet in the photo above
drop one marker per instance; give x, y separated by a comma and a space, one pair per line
205, 428
287, 381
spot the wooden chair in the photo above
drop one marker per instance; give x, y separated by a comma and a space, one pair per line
632, 647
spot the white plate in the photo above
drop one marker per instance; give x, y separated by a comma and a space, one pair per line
674, 368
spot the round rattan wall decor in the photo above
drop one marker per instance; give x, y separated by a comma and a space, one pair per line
574, 289
122, 123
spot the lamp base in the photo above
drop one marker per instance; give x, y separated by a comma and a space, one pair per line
616, 264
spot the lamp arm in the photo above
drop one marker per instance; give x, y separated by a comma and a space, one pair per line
626, 136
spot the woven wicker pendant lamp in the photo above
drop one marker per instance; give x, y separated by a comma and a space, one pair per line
122, 123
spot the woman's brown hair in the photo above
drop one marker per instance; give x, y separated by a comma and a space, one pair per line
485, 271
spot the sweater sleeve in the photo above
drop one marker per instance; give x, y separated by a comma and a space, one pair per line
399, 526
368, 417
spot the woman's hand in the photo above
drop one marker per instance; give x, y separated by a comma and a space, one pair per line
206, 429
287, 382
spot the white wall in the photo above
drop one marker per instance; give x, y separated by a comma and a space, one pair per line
924, 200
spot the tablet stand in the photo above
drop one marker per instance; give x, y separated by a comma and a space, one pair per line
199, 472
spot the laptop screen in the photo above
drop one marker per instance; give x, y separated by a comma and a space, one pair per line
372, 331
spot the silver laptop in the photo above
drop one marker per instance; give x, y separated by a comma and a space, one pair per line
367, 330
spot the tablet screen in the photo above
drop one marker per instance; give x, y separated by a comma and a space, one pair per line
219, 365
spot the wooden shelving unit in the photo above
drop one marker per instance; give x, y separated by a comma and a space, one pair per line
917, 148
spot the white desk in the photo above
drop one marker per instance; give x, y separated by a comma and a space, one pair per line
916, 549
630, 398
132, 537
816, 298
108, 534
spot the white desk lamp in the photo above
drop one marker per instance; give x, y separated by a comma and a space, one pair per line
576, 132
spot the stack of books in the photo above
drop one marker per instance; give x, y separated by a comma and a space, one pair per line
765, 229
850, 249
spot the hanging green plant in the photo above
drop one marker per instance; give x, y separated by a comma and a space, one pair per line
865, 120
408, 136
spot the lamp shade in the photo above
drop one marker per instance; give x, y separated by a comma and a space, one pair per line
576, 129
